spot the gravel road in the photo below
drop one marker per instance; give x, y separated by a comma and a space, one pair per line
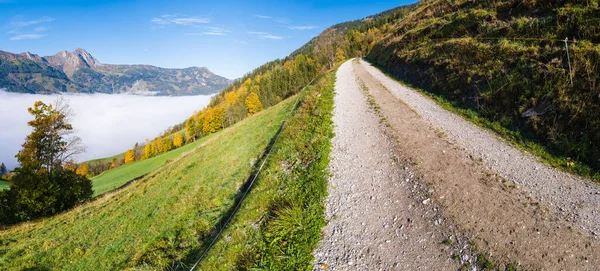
375, 220
577, 200
417, 187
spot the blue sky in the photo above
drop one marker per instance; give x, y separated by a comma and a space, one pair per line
229, 37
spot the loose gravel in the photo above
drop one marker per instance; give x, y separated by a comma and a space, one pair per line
378, 217
575, 199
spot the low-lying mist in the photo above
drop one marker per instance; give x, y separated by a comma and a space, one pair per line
107, 124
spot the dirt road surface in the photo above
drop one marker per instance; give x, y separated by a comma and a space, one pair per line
415, 187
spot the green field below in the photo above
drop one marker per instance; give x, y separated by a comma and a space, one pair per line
119, 176
158, 221
4, 185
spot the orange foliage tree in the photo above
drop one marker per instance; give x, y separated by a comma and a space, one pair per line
129, 156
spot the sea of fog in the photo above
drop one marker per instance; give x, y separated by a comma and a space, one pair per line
107, 124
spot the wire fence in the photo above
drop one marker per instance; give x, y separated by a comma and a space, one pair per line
237, 207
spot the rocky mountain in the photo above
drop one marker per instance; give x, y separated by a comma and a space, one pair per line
80, 72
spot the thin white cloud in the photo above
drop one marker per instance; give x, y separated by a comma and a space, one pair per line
264, 35
262, 16
40, 29
211, 31
303, 27
214, 33
27, 37
179, 20
282, 20
21, 28
19, 21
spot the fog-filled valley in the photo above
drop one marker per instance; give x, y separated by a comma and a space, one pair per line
107, 124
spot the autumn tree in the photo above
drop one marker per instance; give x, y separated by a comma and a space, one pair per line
213, 120
167, 144
147, 153
51, 143
253, 104
70, 165
157, 146
41, 186
178, 140
82, 169
129, 156
190, 126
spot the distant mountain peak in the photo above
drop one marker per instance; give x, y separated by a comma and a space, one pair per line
77, 59
79, 71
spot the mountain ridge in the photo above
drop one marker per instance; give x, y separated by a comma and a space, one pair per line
80, 72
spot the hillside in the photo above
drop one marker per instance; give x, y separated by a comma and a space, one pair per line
507, 62
80, 72
156, 221
433, 178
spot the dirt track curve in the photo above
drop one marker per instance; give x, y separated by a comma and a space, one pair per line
415, 187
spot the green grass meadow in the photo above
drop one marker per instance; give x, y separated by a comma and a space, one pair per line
119, 176
159, 221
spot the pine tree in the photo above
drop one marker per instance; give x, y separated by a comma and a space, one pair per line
3, 170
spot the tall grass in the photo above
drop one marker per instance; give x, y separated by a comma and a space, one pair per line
279, 224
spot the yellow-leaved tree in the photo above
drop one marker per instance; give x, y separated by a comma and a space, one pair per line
167, 144
147, 152
129, 156
82, 169
253, 104
178, 140
213, 120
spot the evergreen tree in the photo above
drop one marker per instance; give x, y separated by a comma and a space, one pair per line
3, 170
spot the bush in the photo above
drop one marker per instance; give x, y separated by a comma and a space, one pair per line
36, 195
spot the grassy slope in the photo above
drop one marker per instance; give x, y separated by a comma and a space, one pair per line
4, 185
494, 60
154, 222
279, 223
119, 176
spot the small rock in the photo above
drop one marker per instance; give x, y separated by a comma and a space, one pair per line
427, 201
465, 258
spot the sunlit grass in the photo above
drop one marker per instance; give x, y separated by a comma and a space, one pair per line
156, 221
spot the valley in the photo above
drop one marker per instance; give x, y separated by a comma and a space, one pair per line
436, 135
107, 124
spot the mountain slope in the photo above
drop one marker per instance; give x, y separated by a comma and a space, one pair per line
155, 222
79, 71
507, 61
